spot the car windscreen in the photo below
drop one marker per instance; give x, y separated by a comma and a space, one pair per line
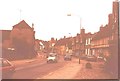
51, 55
67, 56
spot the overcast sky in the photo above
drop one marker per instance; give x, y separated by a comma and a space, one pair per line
50, 16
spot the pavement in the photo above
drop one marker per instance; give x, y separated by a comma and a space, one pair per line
74, 70
21, 63
96, 72
69, 71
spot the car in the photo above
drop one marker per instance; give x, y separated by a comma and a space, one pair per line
83, 57
67, 57
52, 57
91, 58
100, 59
7, 68
76, 54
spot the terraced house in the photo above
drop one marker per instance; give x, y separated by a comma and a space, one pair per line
105, 40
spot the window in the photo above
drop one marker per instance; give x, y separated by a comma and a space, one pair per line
86, 41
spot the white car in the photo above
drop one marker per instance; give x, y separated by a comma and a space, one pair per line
100, 58
52, 58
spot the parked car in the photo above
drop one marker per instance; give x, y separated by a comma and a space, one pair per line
52, 57
100, 59
76, 54
67, 57
91, 58
83, 57
7, 68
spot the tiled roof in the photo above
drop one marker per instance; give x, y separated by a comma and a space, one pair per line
105, 32
88, 35
46, 43
21, 25
63, 41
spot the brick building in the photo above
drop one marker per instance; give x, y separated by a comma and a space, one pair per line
63, 45
105, 39
100, 41
5, 38
78, 43
52, 44
5, 43
88, 44
23, 40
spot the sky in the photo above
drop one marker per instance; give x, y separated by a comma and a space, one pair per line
50, 16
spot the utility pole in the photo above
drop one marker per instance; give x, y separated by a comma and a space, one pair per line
20, 14
79, 36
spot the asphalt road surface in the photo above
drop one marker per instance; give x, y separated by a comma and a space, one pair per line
37, 69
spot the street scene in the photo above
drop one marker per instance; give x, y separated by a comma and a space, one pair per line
38, 69
29, 51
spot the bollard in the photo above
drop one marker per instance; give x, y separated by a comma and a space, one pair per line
88, 65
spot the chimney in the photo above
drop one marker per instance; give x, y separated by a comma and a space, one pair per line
101, 27
110, 20
32, 26
82, 31
64, 37
77, 34
52, 39
115, 9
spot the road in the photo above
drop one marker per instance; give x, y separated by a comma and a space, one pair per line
61, 70
38, 69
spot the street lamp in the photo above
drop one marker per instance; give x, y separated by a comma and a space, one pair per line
79, 18
70, 35
79, 35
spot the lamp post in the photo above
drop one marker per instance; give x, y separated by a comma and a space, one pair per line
79, 35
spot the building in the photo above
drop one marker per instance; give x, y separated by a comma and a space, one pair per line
105, 42
63, 45
23, 40
5, 38
74, 44
88, 44
105, 39
78, 43
100, 41
82, 41
5, 44
51, 45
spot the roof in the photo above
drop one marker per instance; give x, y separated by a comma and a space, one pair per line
45, 43
21, 25
88, 35
105, 32
63, 41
